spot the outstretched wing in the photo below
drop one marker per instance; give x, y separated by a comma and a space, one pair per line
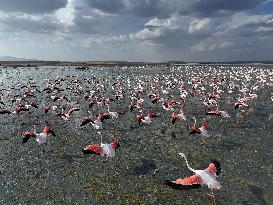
194, 131
212, 113
194, 179
72, 110
86, 121
27, 136
91, 149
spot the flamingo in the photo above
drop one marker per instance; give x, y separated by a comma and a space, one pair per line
97, 124
147, 119
46, 108
40, 137
32, 104
203, 130
114, 115
176, 117
168, 105
55, 98
132, 106
66, 115
242, 102
206, 176
218, 113
104, 149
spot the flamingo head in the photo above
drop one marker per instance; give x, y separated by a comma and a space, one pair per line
182, 154
215, 166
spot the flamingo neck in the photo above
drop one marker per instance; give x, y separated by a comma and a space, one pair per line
190, 168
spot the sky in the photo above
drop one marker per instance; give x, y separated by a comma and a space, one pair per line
137, 30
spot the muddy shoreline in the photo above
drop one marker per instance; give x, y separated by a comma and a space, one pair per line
58, 173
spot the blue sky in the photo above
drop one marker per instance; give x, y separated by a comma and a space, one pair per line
142, 30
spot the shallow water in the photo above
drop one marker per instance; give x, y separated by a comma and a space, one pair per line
58, 173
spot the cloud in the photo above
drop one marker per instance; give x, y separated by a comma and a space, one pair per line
199, 25
101, 39
27, 22
148, 34
211, 45
148, 29
66, 15
32, 6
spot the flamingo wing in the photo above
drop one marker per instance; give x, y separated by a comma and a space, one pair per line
195, 131
194, 179
212, 113
27, 136
92, 149
115, 144
52, 132
86, 121
73, 110
103, 116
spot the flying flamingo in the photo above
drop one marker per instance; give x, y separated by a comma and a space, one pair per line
176, 117
114, 115
241, 102
203, 130
168, 105
55, 98
40, 137
66, 115
46, 108
147, 119
218, 113
206, 176
97, 124
132, 106
104, 149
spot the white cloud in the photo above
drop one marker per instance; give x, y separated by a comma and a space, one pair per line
242, 19
211, 46
199, 25
152, 29
158, 22
147, 34
101, 39
66, 15
262, 29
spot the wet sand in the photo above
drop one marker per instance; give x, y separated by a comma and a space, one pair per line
58, 173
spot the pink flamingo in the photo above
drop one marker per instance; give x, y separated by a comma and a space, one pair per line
206, 176
104, 149
40, 137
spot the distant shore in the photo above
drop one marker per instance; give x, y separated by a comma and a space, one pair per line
117, 63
